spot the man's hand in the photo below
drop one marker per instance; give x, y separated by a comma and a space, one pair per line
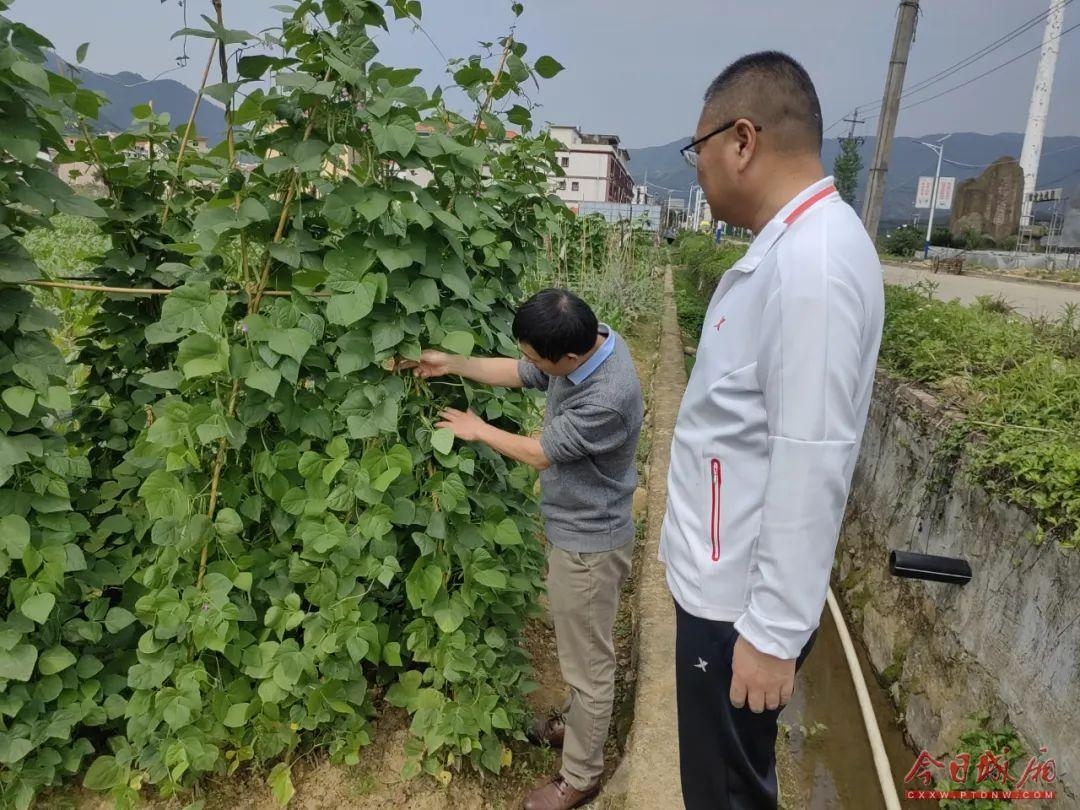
466, 425
759, 680
432, 363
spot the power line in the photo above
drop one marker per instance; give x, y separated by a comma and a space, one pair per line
977, 55
988, 72
941, 75
1063, 177
982, 75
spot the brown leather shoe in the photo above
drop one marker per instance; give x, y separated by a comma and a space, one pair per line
558, 794
549, 730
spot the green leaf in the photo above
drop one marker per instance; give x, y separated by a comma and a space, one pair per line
547, 67
309, 155
292, 343
228, 522
491, 578
393, 138
281, 785
386, 335
443, 440
168, 380
38, 607
253, 67
164, 495
57, 399
222, 91
19, 399
32, 74
482, 238
264, 379
458, 342
423, 584
80, 52
348, 308
403, 694
394, 258
507, 534
373, 205
117, 619
227, 36
201, 355
450, 618
55, 659
519, 115
422, 295
376, 522
18, 664
104, 774
236, 717
392, 653
14, 535
12, 749
194, 307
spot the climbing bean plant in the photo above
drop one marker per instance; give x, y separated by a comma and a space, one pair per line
242, 534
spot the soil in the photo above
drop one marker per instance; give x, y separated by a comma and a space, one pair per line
376, 783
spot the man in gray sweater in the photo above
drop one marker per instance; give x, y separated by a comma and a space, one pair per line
585, 456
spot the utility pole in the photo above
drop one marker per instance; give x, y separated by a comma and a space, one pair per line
939, 148
890, 108
853, 121
1040, 105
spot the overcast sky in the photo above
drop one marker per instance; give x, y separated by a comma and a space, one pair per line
637, 68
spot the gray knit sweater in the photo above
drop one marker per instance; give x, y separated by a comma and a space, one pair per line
590, 436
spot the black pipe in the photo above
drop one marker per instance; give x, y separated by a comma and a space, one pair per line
911, 565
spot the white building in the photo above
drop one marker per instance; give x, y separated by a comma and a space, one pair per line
596, 168
642, 196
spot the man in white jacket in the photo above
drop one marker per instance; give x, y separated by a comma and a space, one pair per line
769, 429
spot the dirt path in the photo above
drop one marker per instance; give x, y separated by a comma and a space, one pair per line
652, 762
1029, 299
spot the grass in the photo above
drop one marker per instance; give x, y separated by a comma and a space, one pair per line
613, 268
1017, 383
703, 265
67, 250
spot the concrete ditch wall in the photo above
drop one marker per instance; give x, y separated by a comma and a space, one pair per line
1007, 643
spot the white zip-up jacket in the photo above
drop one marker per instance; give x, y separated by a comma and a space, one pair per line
769, 428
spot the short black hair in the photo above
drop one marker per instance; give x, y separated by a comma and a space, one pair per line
556, 323
774, 91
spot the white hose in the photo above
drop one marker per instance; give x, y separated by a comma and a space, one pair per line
877, 747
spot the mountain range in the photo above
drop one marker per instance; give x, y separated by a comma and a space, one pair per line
1060, 166
126, 90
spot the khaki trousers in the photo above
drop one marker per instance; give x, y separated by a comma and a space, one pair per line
583, 589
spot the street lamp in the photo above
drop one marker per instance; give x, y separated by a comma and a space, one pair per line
939, 149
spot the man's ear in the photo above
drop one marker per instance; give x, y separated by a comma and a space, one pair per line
746, 139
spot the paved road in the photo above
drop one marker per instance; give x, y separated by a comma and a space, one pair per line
1029, 299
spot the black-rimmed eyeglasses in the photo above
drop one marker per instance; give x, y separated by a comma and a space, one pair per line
689, 152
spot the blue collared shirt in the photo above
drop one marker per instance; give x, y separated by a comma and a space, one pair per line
582, 372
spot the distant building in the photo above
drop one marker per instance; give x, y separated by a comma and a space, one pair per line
642, 196
597, 168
